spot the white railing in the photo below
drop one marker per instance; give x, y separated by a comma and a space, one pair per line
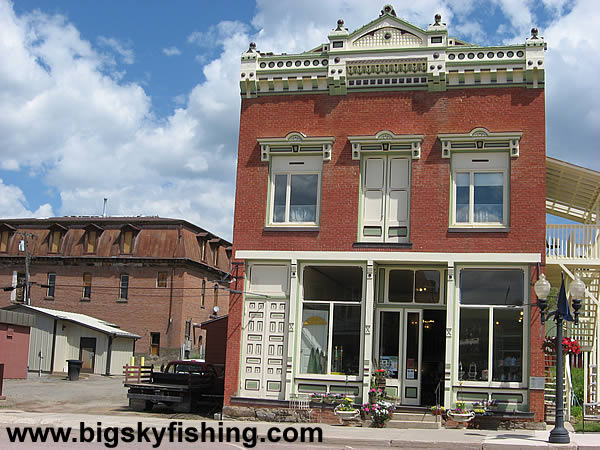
574, 242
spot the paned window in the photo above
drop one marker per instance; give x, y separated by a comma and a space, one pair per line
87, 285
162, 279
385, 199
203, 293
480, 190
409, 286
331, 320
295, 190
491, 325
51, 285
124, 286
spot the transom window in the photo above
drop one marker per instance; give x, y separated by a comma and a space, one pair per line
409, 285
480, 190
295, 190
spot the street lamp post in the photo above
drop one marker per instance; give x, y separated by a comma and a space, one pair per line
559, 434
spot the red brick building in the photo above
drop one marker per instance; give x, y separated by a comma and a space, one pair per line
152, 276
390, 213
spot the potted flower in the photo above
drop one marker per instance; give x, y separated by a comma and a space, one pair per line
460, 413
437, 410
569, 345
380, 413
329, 398
346, 410
380, 379
316, 397
376, 394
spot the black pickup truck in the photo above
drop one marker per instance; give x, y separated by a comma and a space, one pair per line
182, 386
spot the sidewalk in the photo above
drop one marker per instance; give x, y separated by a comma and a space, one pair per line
332, 435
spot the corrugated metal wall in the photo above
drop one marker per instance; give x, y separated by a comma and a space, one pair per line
122, 351
41, 340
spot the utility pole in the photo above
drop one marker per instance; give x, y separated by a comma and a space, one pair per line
27, 287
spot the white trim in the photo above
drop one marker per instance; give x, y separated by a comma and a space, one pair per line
413, 257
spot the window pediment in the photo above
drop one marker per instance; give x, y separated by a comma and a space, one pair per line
480, 139
386, 141
296, 143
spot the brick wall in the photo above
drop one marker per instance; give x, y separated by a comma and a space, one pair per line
414, 112
147, 309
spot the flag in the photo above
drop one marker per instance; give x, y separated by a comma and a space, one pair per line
563, 304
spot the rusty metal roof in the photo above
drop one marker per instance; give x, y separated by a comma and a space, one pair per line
154, 237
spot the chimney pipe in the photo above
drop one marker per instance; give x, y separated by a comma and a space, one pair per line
104, 209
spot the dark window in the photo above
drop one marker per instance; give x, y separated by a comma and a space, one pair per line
401, 286
155, 344
87, 285
124, 286
491, 287
51, 285
162, 279
327, 283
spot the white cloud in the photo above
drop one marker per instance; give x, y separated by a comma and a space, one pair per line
123, 49
14, 205
66, 114
171, 51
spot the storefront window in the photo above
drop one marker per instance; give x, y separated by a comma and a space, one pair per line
494, 311
315, 338
331, 320
427, 286
401, 286
473, 350
345, 340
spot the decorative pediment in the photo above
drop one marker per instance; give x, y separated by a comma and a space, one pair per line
480, 139
295, 143
388, 35
386, 141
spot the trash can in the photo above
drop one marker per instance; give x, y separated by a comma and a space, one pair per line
74, 369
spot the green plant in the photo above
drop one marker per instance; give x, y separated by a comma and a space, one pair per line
346, 405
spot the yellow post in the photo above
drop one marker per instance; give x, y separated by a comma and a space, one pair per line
132, 361
141, 360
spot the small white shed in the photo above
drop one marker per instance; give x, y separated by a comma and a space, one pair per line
60, 335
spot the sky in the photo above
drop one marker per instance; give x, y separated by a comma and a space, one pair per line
138, 101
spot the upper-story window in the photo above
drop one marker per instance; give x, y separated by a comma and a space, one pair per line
87, 286
128, 236
92, 235
57, 232
162, 279
480, 189
4, 238
385, 184
480, 186
124, 286
295, 190
296, 165
51, 285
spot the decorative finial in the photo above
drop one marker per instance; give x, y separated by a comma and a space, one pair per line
438, 19
534, 33
340, 25
388, 9
252, 47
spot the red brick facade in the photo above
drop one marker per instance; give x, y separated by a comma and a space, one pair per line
506, 109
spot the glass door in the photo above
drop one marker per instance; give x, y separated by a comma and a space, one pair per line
389, 350
411, 362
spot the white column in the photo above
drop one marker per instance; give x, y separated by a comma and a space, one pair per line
293, 329
451, 336
368, 331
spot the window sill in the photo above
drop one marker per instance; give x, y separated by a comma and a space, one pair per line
479, 229
84, 299
313, 228
382, 245
122, 300
50, 299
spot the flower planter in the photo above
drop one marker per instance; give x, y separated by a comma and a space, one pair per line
346, 416
461, 417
